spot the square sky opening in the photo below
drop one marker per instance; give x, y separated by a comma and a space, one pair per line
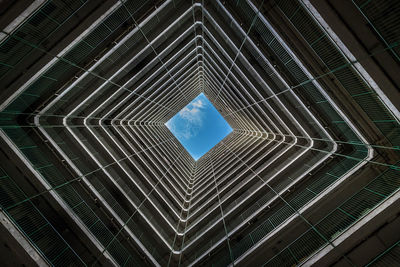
199, 126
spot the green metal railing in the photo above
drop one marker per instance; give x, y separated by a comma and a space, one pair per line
321, 181
41, 26
339, 220
390, 257
382, 17
346, 74
46, 21
34, 225
18, 46
360, 92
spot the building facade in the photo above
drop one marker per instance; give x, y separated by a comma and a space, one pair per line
90, 174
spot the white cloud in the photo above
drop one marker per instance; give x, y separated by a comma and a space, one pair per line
189, 121
198, 104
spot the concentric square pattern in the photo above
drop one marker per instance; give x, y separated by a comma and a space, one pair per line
90, 124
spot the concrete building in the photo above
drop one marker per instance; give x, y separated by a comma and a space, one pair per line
90, 175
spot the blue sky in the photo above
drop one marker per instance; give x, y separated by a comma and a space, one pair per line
199, 126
